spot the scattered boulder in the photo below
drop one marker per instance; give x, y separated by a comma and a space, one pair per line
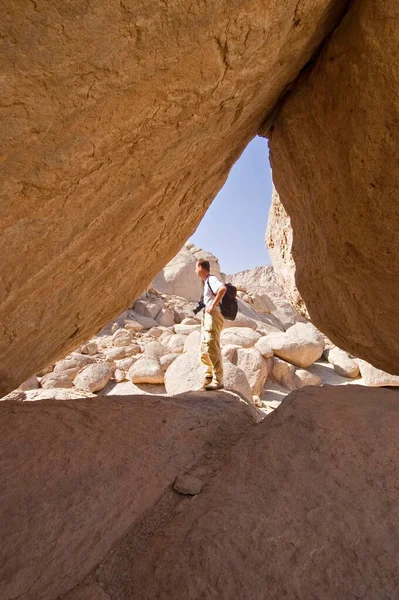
146, 370
186, 329
148, 307
239, 336
89, 348
166, 317
56, 380
241, 320
373, 377
282, 372
188, 484
302, 377
122, 337
229, 352
343, 364
302, 344
252, 363
132, 325
264, 347
176, 343
74, 361
30, 384
192, 341
93, 378
166, 360
156, 349
145, 322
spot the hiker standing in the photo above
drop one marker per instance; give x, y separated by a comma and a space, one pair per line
212, 325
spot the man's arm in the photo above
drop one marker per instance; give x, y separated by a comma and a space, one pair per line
219, 295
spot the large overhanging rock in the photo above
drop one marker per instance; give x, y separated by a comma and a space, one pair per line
306, 507
119, 124
335, 165
78, 474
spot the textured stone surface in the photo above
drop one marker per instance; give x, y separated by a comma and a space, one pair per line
291, 515
76, 475
279, 242
335, 166
119, 124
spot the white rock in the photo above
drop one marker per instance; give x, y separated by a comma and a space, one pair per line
241, 320
132, 350
166, 360
56, 380
30, 384
126, 363
240, 336
132, 325
166, 317
254, 366
264, 347
303, 377
155, 349
375, 377
115, 353
229, 352
262, 303
283, 373
121, 338
343, 364
188, 484
192, 341
148, 307
186, 373
75, 360
165, 336
119, 375
146, 370
176, 343
191, 321
179, 277
115, 327
302, 344
89, 348
58, 394
186, 329
93, 378
145, 322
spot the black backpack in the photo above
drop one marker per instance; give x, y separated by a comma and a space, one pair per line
228, 304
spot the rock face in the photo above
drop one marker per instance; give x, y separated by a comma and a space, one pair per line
119, 124
336, 170
110, 462
291, 515
279, 242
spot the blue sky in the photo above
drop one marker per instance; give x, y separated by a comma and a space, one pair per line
234, 226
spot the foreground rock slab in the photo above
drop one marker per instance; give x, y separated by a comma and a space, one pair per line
306, 508
76, 475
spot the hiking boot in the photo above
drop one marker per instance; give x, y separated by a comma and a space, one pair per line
211, 387
204, 386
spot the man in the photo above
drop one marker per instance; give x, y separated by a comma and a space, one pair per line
212, 325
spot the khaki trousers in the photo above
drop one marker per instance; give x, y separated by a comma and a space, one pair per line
211, 355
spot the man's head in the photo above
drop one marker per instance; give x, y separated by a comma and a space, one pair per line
203, 269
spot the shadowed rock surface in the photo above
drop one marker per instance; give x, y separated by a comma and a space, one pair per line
76, 475
119, 124
335, 166
306, 507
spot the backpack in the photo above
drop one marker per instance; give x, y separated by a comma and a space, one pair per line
228, 304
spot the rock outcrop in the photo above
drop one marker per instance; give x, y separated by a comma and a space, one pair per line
78, 474
335, 165
119, 124
279, 243
305, 507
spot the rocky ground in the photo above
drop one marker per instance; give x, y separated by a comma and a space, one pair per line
152, 348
